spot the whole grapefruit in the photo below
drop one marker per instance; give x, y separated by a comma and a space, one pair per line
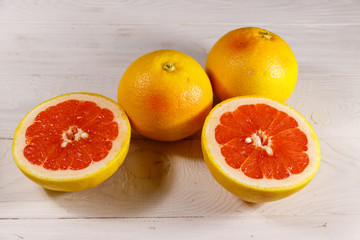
166, 95
252, 61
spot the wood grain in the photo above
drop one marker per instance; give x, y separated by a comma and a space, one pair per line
183, 11
106, 50
252, 227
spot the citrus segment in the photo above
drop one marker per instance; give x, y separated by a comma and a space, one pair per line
72, 142
255, 145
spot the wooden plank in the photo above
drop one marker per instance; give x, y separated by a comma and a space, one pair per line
244, 227
330, 103
179, 186
41, 49
160, 12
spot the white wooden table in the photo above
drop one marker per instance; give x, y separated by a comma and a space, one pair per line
48, 48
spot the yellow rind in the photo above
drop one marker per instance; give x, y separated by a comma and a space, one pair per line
76, 183
250, 193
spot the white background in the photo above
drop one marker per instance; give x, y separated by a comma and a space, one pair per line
48, 48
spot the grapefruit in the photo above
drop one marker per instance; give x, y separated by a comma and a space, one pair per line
166, 95
72, 142
259, 149
252, 61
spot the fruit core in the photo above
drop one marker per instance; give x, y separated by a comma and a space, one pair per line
262, 142
260, 139
70, 135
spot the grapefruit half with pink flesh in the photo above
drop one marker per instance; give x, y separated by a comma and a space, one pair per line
259, 149
72, 142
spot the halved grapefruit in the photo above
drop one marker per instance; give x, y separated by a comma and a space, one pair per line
259, 149
72, 142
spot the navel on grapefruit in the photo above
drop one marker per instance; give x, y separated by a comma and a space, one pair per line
259, 149
252, 61
166, 95
72, 142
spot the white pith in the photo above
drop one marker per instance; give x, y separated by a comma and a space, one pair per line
218, 159
19, 138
